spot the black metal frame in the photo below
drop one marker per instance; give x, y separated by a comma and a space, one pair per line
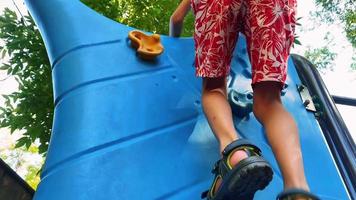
334, 129
344, 100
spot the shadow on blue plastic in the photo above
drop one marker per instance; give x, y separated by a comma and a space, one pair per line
128, 129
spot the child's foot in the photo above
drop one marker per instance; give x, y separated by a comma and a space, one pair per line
236, 157
239, 173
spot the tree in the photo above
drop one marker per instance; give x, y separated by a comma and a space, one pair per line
148, 15
344, 10
31, 107
339, 11
353, 65
26, 162
322, 57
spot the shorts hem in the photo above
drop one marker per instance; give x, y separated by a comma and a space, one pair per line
281, 82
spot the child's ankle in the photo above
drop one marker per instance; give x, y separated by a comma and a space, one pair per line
301, 184
226, 141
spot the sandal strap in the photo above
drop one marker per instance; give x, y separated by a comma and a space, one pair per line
221, 167
288, 194
240, 143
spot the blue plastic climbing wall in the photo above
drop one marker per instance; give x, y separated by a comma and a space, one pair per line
125, 128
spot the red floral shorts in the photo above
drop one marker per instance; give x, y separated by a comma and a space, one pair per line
267, 24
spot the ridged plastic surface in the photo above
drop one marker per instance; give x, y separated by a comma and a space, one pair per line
131, 129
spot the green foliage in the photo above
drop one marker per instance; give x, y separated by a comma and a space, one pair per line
296, 37
148, 15
31, 107
350, 26
343, 10
32, 177
353, 64
322, 58
18, 159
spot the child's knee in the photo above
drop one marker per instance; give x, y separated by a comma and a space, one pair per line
263, 109
266, 99
266, 93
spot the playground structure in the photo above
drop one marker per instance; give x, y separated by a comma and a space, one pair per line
119, 119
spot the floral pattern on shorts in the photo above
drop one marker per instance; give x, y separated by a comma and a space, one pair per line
267, 24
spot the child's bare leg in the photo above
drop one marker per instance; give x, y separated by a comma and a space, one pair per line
282, 133
219, 115
218, 110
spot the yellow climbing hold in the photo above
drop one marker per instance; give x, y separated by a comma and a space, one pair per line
148, 47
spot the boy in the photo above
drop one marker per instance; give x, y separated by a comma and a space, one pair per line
268, 26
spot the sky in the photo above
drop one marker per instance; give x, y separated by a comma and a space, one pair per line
341, 81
